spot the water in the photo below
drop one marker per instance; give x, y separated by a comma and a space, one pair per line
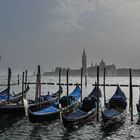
18, 127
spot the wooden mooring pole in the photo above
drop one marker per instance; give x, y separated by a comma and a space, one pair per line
22, 86
36, 91
26, 76
8, 82
131, 95
104, 87
81, 83
25, 81
67, 81
39, 85
59, 83
18, 80
97, 93
86, 79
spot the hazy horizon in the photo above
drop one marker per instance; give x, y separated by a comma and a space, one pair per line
53, 33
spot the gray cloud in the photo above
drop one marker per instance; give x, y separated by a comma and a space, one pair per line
53, 33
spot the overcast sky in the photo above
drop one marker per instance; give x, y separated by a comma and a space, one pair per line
54, 32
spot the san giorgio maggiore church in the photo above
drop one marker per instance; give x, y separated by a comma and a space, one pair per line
89, 71
111, 70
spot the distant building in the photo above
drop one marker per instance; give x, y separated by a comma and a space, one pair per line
110, 69
91, 71
84, 63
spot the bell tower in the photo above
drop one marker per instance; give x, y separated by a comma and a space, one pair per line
84, 62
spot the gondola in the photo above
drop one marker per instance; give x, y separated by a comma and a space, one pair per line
86, 111
115, 110
18, 108
46, 114
5, 96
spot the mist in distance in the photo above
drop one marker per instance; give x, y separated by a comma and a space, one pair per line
54, 32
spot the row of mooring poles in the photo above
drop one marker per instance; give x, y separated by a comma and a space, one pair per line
38, 86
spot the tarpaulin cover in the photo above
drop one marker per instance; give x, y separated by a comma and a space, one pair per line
119, 94
119, 97
78, 113
94, 92
46, 97
110, 113
47, 110
4, 94
76, 93
53, 107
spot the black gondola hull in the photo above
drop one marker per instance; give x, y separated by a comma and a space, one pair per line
42, 118
19, 108
76, 123
34, 118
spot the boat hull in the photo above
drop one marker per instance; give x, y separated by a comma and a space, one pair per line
113, 120
19, 108
34, 118
47, 117
76, 123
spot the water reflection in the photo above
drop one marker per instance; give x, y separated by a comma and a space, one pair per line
110, 130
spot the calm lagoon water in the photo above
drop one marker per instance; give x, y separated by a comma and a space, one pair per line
18, 127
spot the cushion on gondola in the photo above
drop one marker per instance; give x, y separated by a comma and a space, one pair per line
46, 110
46, 97
5, 97
76, 93
4, 92
76, 114
110, 113
94, 92
88, 103
118, 99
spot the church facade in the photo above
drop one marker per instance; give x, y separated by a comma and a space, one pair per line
89, 71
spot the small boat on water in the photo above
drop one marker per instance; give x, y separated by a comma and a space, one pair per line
86, 111
18, 108
115, 110
5, 96
50, 113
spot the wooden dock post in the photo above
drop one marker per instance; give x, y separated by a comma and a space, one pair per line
81, 83
59, 83
22, 86
36, 91
39, 85
18, 80
86, 79
26, 76
8, 82
97, 93
67, 79
104, 87
131, 95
